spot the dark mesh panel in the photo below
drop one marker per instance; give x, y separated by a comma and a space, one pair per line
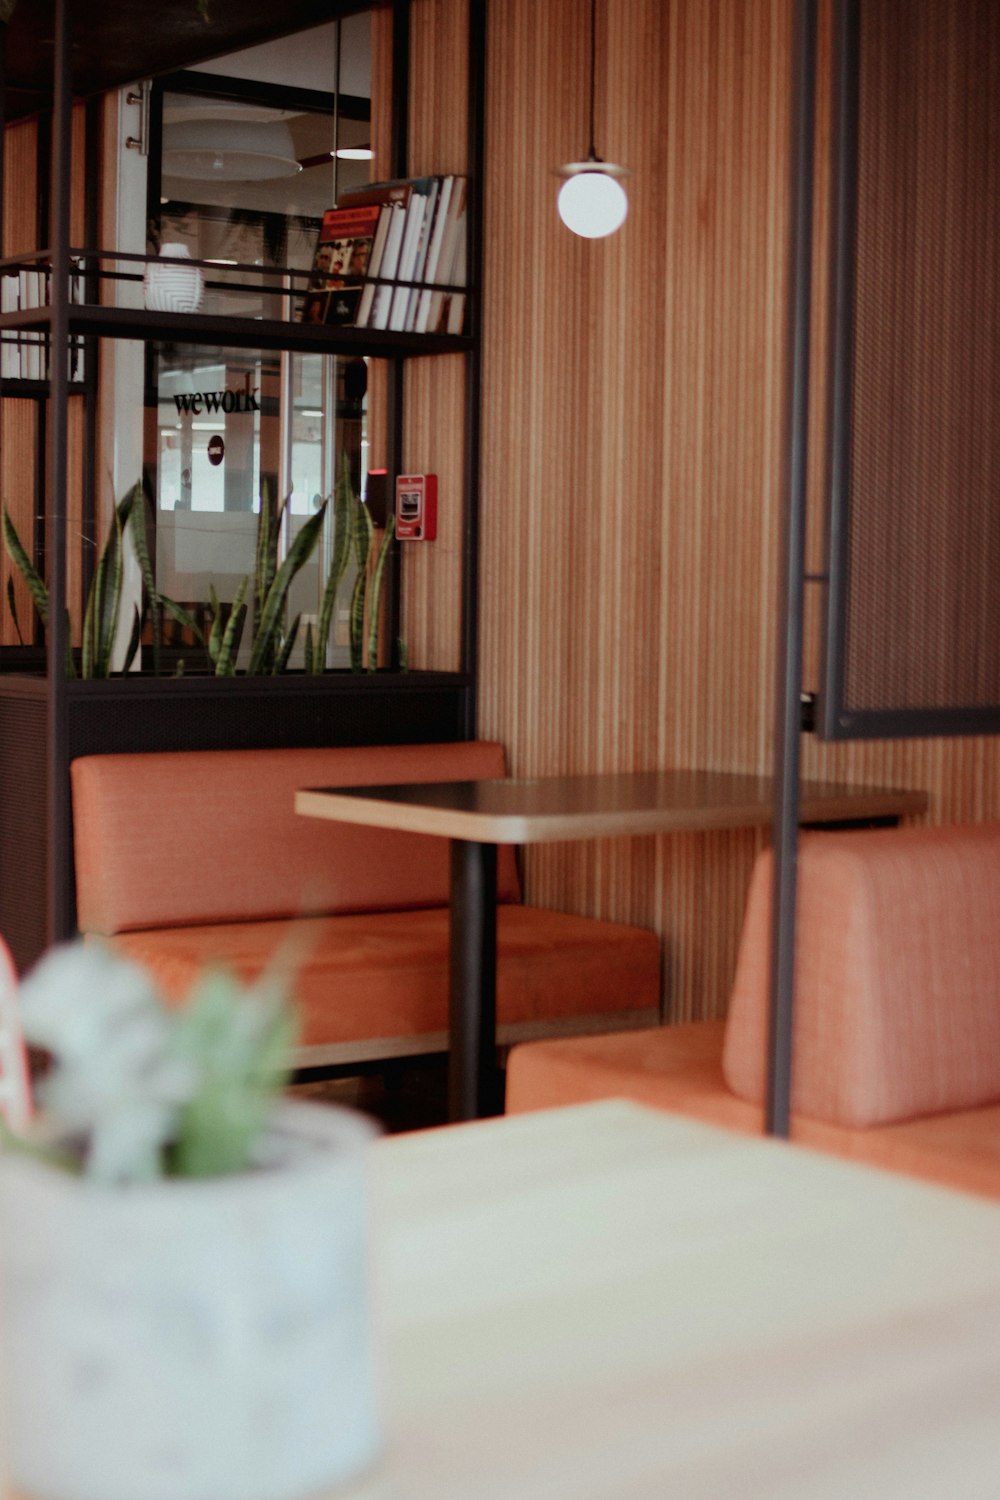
922, 607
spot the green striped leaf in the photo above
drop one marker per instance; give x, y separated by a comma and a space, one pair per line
262, 656
22, 562
375, 592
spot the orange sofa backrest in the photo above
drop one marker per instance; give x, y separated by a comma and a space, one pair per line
897, 979
184, 837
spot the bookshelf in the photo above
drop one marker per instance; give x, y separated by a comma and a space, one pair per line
47, 718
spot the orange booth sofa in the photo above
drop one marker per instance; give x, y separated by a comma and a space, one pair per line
896, 1048
189, 858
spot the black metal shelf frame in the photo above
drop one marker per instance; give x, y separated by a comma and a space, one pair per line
396, 706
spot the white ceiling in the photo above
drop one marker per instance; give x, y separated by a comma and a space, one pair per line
308, 59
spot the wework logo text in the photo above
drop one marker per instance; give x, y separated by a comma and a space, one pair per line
227, 401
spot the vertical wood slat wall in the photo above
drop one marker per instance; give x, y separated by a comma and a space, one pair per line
632, 422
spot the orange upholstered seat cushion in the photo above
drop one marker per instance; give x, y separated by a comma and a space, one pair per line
358, 977
207, 836
679, 1068
897, 979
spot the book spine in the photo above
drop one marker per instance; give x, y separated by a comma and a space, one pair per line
407, 260
9, 356
374, 265
420, 259
432, 265
390, 261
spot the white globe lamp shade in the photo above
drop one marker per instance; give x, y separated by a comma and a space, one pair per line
592, 203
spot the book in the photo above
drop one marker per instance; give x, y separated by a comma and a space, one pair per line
433, 262
374, 265
416, 213
340, 264
418, 272
10, 353
392, 198
382, 301
456, 300
396, 190
447, 308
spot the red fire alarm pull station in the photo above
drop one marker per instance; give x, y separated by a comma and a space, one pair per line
416, 507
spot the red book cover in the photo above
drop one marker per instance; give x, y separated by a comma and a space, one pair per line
340, 264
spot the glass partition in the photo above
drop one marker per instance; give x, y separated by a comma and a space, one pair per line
245, 160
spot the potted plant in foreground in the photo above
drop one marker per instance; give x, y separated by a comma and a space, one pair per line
183, 1253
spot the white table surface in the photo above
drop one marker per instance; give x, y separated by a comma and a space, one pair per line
606, 1301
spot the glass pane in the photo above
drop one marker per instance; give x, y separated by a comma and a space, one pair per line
248, 169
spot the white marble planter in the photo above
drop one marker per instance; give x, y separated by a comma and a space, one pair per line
184, 1340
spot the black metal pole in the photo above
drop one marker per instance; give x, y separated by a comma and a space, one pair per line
789, 653
840, 360
472, 981
473, 365
60, 917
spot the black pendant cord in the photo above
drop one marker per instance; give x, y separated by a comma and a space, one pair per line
592, 154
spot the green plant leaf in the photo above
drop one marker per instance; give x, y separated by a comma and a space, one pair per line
135, 639
375, 592
225, 665
87, 649
214, 642
240, 1042
288, 645
182, 616
12, 606
362, 546
266, 559
307, 649
270, 619
15, 551
140, 541
106, 591
344, 501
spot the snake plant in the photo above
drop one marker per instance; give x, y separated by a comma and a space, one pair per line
354, 534
103, 607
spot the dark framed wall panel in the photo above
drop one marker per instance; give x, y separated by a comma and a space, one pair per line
913, 620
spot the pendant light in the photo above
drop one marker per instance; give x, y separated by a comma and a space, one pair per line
592, 201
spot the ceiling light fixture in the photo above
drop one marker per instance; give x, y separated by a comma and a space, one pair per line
229, 150
592, 201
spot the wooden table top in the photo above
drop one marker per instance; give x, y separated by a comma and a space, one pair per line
551, 808
610, 1303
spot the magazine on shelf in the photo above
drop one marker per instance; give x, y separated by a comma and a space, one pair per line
340, 265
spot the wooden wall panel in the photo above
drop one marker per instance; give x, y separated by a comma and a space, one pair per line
632, 420
433, 436
633, 448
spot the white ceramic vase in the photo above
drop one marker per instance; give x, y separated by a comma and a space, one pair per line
173, 288
192, 1340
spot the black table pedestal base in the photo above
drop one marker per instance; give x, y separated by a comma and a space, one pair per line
473, 1078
